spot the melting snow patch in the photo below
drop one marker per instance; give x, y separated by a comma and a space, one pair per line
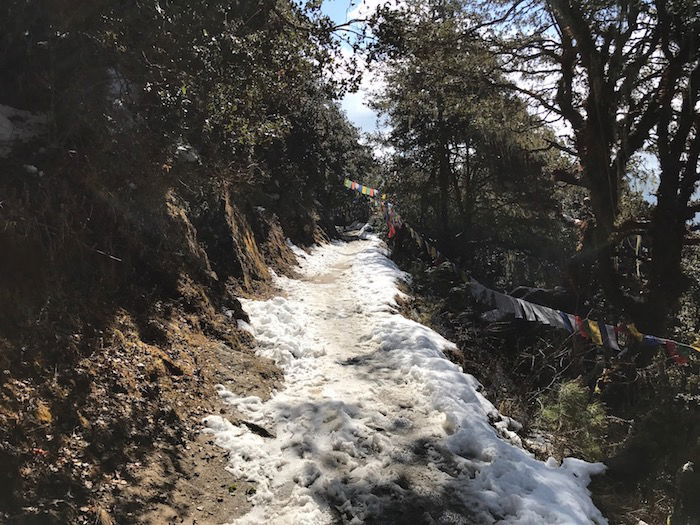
374, 424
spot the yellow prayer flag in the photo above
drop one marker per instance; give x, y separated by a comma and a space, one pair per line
696, 344
594, 330
634, 332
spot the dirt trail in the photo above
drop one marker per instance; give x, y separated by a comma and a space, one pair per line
374, 425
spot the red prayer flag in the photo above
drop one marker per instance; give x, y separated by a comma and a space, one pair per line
581, 327
672, 351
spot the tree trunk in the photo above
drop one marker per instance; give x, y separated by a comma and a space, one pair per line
666, 281
458, 195
443, 172
602, 182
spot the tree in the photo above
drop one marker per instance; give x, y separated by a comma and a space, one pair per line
462, 162
623, 75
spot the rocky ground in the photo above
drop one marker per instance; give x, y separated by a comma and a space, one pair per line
135, 453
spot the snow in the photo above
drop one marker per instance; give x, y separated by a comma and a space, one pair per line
374, 424
16, 126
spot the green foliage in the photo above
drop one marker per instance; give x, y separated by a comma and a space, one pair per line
249, 85
580, 425
468, 159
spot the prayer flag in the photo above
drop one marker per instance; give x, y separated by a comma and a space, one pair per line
684, 349
519, 310
567, 322
652, 340
672, 351
503, 302
528, 309
634, 332
609, 336
551, 317
581, 328
604, 334
540, 314
594, 330
696, 345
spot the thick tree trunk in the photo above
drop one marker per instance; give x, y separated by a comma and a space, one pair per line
444, 171
666, 280
602, 182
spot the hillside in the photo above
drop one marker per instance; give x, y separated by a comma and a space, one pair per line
223, 301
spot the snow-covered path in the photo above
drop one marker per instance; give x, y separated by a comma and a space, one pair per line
374, 424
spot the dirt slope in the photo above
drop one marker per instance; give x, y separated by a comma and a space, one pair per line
118, 309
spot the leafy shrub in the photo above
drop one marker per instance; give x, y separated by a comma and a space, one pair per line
579, 427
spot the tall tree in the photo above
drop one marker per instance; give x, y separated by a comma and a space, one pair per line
462, 164
623, 75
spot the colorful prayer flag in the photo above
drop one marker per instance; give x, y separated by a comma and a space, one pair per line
652, 340
634, 332
672, 351
609, 336
594, 330
581, 328
684, 349
567, 322
696, 345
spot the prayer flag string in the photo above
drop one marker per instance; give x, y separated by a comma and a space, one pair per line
597, 332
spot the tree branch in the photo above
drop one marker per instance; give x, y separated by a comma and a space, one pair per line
568, 177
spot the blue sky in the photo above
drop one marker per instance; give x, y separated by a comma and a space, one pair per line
354, 104
337, 9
